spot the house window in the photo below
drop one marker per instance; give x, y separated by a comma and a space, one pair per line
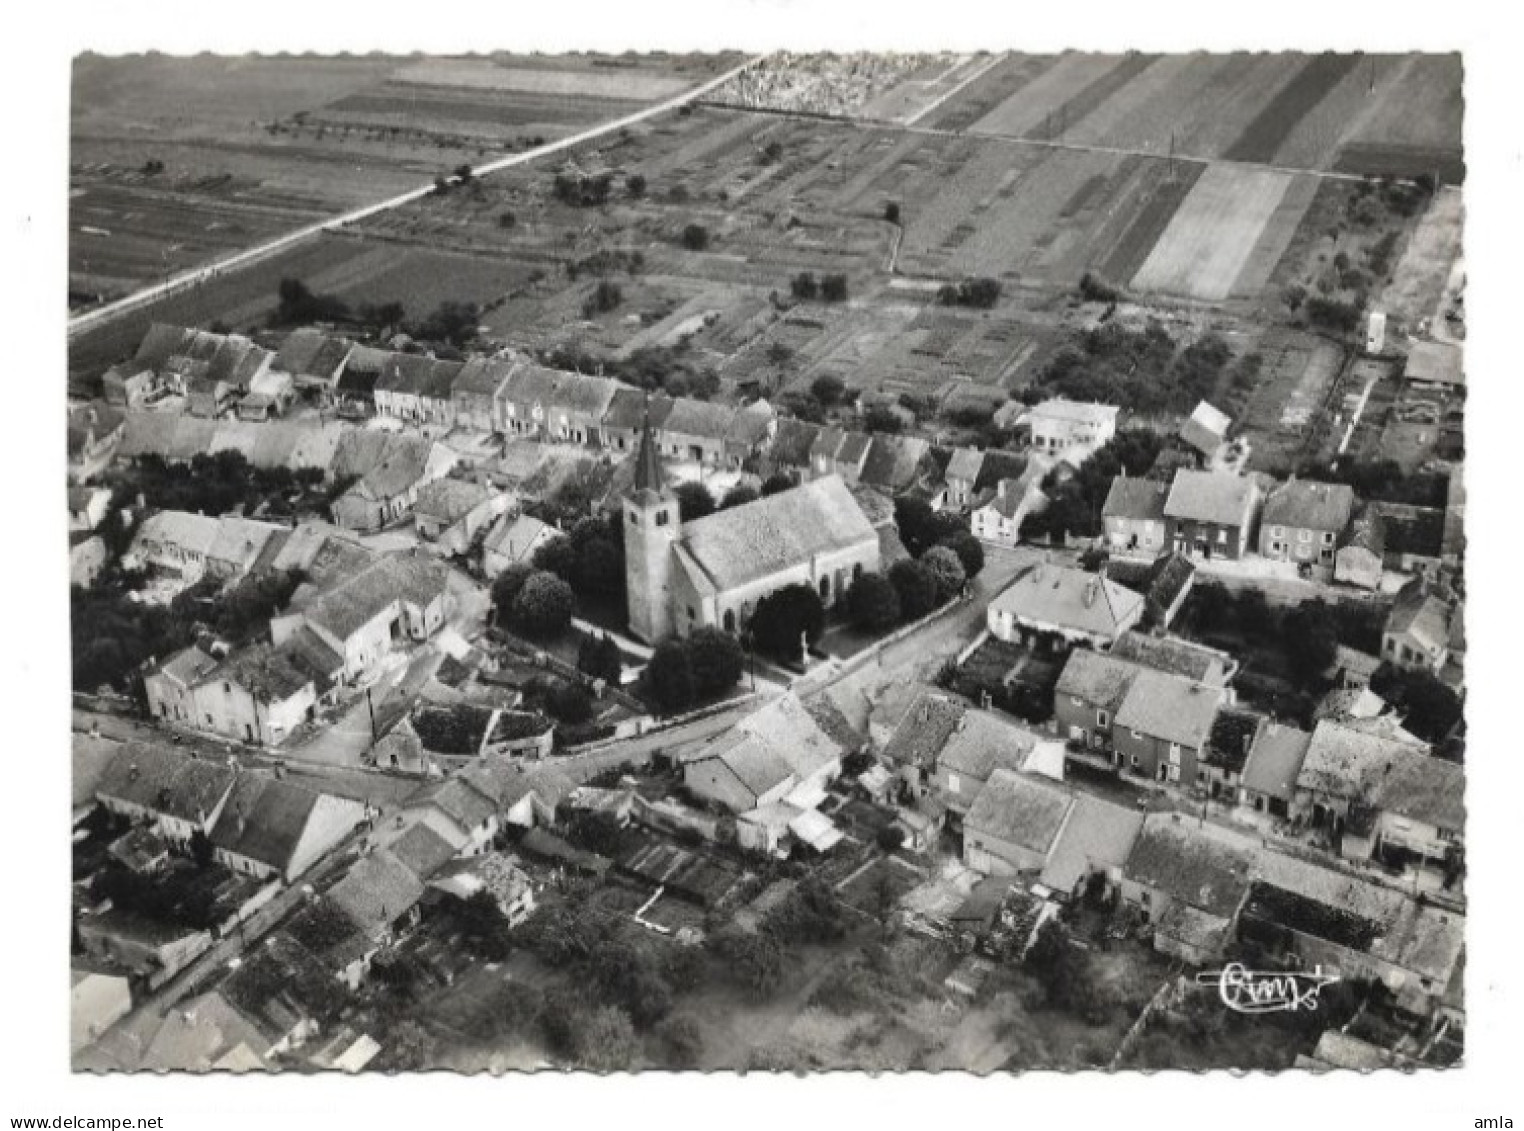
662, 518
1222, 536
952, 783
1304, 536
1328, 538
1101, 719
1135, 761
1174, 754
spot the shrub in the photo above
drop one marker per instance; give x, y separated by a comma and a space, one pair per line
881, 419
569, 703
542, 608
694, 501
970, 552
892, 212
803, 286
599, 658
695, 237
890, 838
778, 481
669, 677
635, 185
947, 570
916, 586
1094, 288
833, 288
785, 616
873, 603
506, 588
716, 660
828, 389
606, 296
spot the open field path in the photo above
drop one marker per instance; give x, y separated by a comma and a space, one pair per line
196, 275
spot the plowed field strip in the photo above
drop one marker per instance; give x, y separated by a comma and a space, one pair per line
1275, 123
1129, 252
1078, 108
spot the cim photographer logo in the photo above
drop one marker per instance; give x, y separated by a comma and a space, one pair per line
1267, 991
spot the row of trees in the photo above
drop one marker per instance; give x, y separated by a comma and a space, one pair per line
1074, 506
685, 671
828, 288
1142, 370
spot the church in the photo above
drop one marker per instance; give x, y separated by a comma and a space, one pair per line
712, 571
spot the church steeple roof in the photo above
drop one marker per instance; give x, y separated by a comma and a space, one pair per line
648, 472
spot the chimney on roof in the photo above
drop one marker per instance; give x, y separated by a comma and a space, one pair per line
1092, 590
132, 772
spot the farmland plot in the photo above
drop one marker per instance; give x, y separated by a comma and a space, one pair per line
1418, 284
1315, 141
1416, 128
1213, 234
570, 82
1002, 81
1035, 110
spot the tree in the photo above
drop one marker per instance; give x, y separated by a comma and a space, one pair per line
833, 288
569, 703
828, 389
695, 237
1312, 638
507, 220
409, 1047
880, 418
920, 527
873, 603
599, 657
804, 287
916, 586
505, 588
739, 496
947, 570
754, 960
969, 549
557, 555
1430, 707
892, 211
694, 501
778, 481
681, 1041
606, 296
202, 850
635, 185
716, 660
784, 617
543, 607
890, 838
669, 677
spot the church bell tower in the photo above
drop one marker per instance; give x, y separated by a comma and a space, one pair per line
650, 530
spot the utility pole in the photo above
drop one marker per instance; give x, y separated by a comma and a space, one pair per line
371, 707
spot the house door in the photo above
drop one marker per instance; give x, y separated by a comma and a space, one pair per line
1163, 771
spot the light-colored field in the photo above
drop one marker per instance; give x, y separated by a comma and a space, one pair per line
1142, 115
1026, 113
1213, 234
1418, 284
480, 74
1275, 238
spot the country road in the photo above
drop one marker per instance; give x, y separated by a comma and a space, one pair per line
197, 275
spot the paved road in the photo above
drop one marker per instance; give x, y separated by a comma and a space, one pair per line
197, 275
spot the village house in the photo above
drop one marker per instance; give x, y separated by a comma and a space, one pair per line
377, 893
1014, 823
911, 731
314, 360
169, 686
524, 399
1268, 782
524, 797
713, 571
214, 386
1361, 554
476, 389
1096, 838
239, 545
175, 794
896, 464
999, 521
95, 434
1220, 769
395, 467
129, 384
1161, 729
269, 395
1164, 582
1303, 521
793, 441
1087, 696
274, 829
576, 408
399, 387
1386, 799
455, 809
1177, 656
1132, 518
1190, 880
751, 431
1425, 631
1318, 917
1060, 605
823, 451
513, 541
777, 754
262, 692
1435, 366
493, 873
695, 430
394, 599
355, 390
979, 744
1205, 433
87, 508
961, 475
630, 411
1061, 426
1212, 514
452, 512
176, 543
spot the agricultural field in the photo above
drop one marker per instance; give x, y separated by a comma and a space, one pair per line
1227, 235
175, 161
1423, 271
1352, 113
1283, 412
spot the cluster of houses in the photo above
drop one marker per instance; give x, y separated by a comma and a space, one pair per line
352, 607
1201, 885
